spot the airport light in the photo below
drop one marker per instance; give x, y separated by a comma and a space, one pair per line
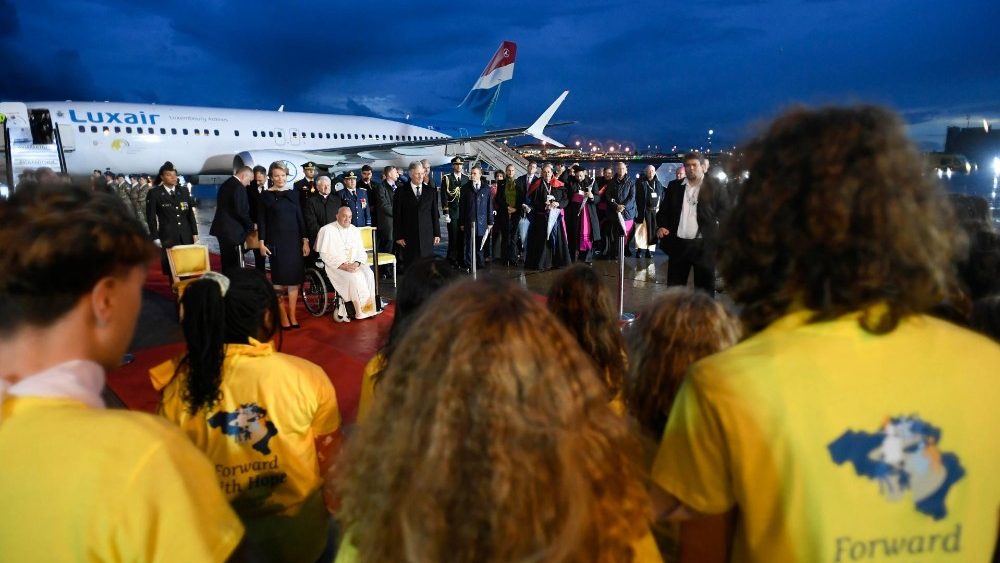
996, 165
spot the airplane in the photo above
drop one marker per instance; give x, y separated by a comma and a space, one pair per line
79, 137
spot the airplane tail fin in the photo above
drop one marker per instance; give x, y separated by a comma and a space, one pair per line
486, 102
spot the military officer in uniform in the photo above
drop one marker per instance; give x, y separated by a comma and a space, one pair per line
357, 199
451, 193
170, 214
306, 186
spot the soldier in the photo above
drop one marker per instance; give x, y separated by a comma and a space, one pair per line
451, 193
170, 214
306, 186
357, 199
138, 196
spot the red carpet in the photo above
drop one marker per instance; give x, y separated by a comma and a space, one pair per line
341, 349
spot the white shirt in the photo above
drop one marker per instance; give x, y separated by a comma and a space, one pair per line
688, 226
416, 189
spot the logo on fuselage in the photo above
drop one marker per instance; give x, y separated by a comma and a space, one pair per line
114, 117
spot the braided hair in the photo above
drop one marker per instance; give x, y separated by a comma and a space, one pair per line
209, 322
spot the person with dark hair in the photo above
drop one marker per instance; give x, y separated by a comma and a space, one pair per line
231, 223
451, 192
688, 225
268, 421
72, 267
254, 191
582, 302
506, 205
415, 218
582, 223
284, 239
620, 196
170, 214
492, 441
423, 279
547, 247
306, 187
382, 212
848, 413
476, 206
979, 267
138, 196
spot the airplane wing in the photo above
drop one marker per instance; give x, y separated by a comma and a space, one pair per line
364, 152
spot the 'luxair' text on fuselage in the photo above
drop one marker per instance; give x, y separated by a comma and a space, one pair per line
113, 117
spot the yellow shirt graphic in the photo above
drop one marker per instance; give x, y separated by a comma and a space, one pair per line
843, 446
261, 439
82, 484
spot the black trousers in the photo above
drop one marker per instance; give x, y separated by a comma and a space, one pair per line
230, 254
685, 256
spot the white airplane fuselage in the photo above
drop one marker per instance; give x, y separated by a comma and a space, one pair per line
138, 138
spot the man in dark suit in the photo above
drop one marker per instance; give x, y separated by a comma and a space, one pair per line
170, 214
521, 216
688, 223
357, 199
232, 218
416, 217
321, 209
381, 207
620, 197
254, 189
306, 186
477, 207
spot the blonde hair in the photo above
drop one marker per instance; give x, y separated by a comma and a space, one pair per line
491, 441
681, 327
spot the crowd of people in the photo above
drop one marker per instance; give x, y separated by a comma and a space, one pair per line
841, 411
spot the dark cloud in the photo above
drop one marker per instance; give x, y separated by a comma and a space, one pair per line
648, 71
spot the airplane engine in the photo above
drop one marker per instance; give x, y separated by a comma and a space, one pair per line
292, 160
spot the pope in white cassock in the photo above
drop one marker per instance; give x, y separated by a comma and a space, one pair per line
339, 246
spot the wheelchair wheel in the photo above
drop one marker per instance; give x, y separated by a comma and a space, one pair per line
314, 293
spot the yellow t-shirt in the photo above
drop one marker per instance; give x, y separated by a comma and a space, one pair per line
839, 445
261, 438
374, 365
83, 484
645, 550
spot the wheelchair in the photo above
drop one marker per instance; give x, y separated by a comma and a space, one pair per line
317, 293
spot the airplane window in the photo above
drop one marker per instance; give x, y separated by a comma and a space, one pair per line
216, 131
312, 135
327, 135
270, 133
185, 131
279, 134
236, 133
254, 133
341, 135
173, 131
295, 134
355, 135
106, 130
196, 132
82, 129
129, 130
118, 129
93, 129
163, 131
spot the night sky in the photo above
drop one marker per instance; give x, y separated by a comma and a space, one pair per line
647, 73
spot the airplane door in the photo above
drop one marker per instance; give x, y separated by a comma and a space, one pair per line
67, 135
279, 137
294, 139
14, 116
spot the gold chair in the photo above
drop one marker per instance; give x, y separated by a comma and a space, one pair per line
368, 240
188, 262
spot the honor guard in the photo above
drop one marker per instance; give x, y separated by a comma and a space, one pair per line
451, 191
306, 186
170, 214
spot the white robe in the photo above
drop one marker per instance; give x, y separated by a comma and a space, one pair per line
338, 245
